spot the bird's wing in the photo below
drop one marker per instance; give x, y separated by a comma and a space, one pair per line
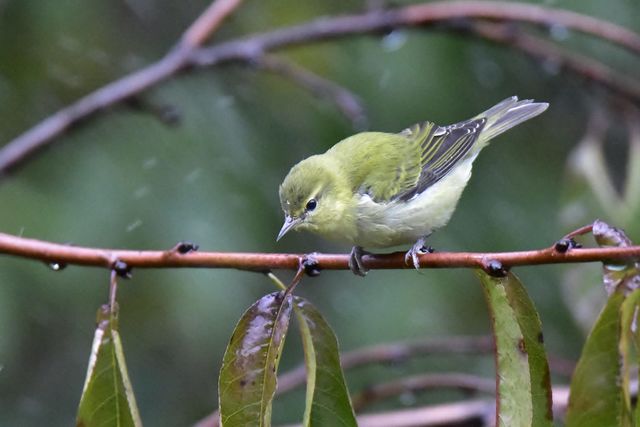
388, 167
441, 148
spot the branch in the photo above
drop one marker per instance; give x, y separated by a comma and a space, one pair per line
59, 254
419, 383
348, 103
381, 353
39, 136
186, 54
548, 53
393, 353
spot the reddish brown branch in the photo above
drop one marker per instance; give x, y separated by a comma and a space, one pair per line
381, 353
562, 60
185, 54
208, 22
177, 59
59, 253
348, 103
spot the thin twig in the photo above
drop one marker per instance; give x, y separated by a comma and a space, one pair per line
421, 383
398, 352
253, 47
347, 102
176, 60
263, 262
380, 353
208, 22
562, 60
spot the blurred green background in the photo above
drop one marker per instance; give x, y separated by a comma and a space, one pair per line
128, 180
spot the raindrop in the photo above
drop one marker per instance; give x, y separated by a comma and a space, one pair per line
225, 101
407, 398
98, 56
59, 73
559, 32
150, 163
488, 73
57, 266
193, 175
141, 192
394, 40
385, 78
70, 44
135, 224
132, 62
551, 66
5, 90
168, 114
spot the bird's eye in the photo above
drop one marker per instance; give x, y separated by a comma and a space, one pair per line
311, 204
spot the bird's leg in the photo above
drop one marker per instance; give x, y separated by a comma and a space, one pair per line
419, 248
355, 261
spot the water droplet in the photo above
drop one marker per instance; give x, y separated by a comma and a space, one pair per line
193, 175
140, 192
225, 101
70, 44
135, 224
385, 77
394, 40
488, 73
407, 398
57, 266
150, 163
559, 32
61, 74
551, 66
98, 56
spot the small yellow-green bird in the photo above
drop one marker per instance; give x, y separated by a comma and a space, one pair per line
378, 189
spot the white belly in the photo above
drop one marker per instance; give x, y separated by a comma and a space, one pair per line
403, 222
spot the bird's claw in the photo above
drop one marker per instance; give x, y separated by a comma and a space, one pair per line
355, 261
413, 254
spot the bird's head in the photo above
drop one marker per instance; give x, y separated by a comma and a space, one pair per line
313, 196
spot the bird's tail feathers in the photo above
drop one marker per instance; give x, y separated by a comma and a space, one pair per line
507, 114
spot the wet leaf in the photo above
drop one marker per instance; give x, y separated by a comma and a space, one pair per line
107, 397
617, 274
589, 193
596, 397
524, 389
327, 401
248, 375
629, 348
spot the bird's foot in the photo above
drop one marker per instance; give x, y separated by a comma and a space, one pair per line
419, 248
355, 261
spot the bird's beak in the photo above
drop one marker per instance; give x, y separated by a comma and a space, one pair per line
289, 223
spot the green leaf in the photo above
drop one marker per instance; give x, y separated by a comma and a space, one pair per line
327, 402
524, 389
600, 393
629, 347
248, 375
596, 396
107, 397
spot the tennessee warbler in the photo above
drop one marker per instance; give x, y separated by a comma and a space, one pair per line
376, 189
